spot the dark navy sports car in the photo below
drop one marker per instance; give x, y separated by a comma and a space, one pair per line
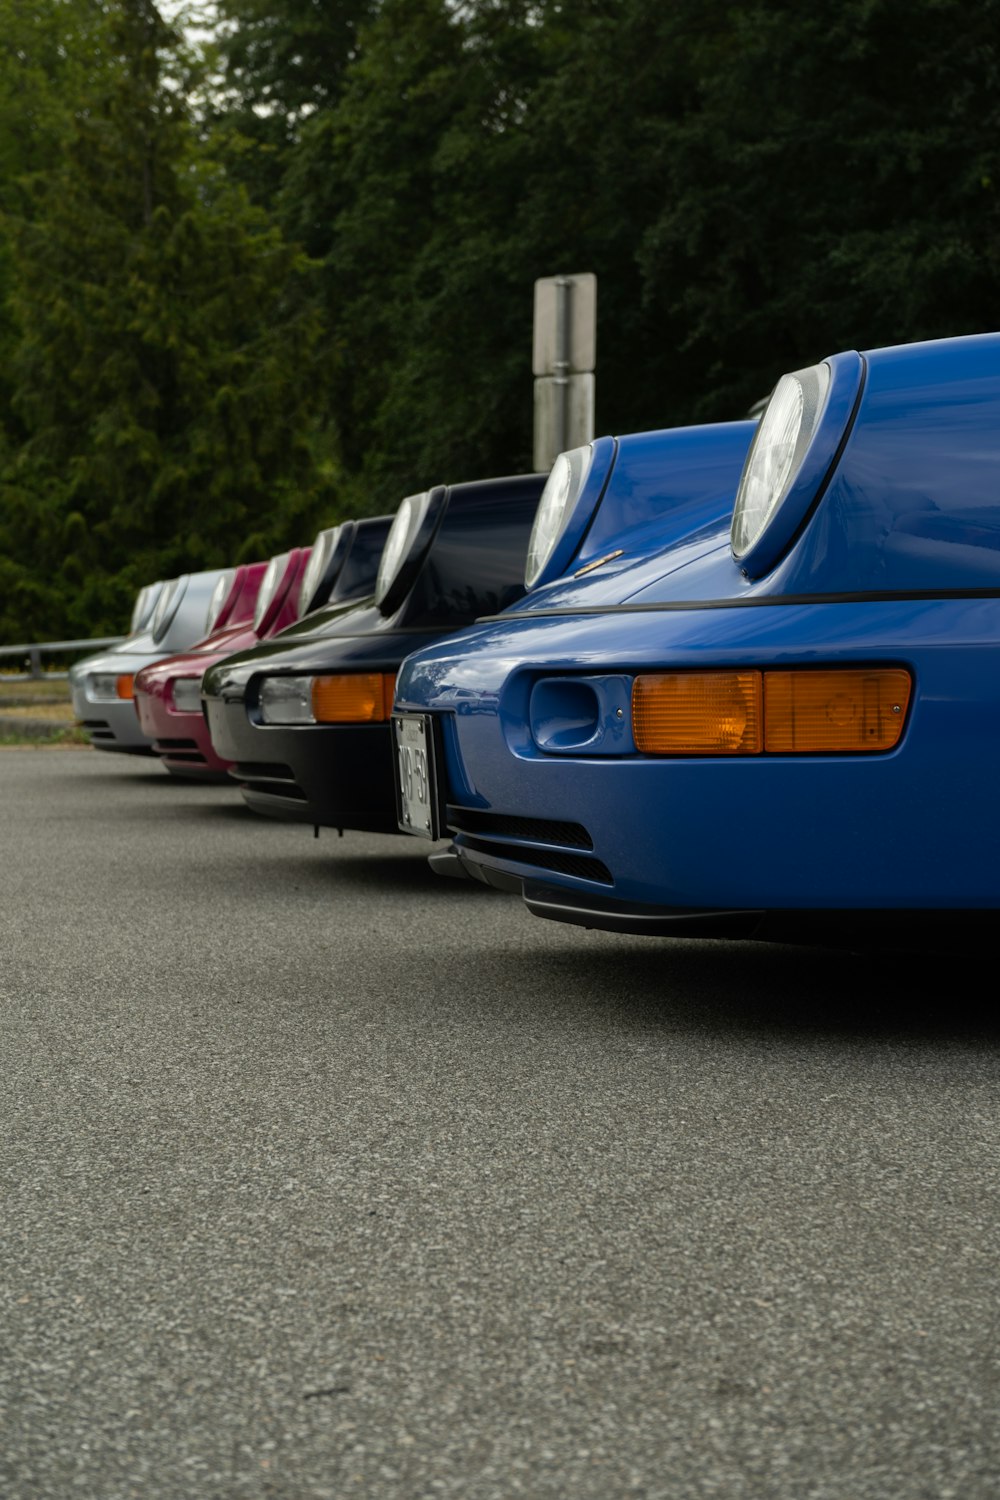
783, 725
305, 717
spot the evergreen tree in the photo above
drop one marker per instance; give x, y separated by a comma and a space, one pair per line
832, 183
276, 63
164, 371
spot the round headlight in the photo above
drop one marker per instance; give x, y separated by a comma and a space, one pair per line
402, 535
779, 446
562, 489
219, 596
319, 558
269, 587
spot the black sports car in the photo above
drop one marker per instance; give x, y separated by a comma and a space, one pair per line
305, 716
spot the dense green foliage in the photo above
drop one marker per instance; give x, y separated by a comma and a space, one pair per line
295, 282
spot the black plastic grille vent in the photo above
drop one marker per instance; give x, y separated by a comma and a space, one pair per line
261, 770
269, 778
184, 752
535, 830
576, 865
98, 729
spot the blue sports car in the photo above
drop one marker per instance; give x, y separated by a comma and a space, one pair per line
781, 726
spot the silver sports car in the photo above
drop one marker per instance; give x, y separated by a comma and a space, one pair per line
101, 685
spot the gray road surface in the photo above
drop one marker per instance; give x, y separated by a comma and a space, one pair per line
322, 1178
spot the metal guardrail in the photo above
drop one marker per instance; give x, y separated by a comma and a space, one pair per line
33, 651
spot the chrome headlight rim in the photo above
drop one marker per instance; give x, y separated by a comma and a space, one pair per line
410, 535
576, 513
819, 443
325, 562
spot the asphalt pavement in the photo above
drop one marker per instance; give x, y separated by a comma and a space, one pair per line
321, 1177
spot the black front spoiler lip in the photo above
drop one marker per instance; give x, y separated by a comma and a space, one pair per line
561, 905
939, 930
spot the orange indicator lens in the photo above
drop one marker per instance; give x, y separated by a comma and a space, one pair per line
831, 710
125, 685
698, 713
353, 698
835, 711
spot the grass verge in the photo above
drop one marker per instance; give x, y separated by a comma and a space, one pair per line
67, 738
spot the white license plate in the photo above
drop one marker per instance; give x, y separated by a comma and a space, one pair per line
416, 775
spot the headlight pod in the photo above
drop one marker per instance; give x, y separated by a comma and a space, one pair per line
409, 537
144, 605
220, 600
347, 698
786, 429
269, 587
167, 606
325, 561
792, 457
564, 516
562, 489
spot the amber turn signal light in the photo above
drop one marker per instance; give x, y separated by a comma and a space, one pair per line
125, 685
833, 710
353, 698
698, 713
837, 710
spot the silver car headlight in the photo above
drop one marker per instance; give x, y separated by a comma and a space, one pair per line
108, 687
187, 695
793, 414
562, 490
269, 586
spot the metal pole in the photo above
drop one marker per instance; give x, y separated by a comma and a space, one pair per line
560, 365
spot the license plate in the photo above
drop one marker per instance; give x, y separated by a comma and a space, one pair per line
416, 775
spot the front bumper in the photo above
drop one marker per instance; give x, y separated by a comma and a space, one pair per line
112, 724
181, 740
726, 845
330, 775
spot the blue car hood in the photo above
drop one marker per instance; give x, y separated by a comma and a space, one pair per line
909, 505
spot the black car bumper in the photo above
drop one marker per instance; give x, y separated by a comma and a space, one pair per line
333, 776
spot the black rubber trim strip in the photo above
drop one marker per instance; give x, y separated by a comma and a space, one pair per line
769, 601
